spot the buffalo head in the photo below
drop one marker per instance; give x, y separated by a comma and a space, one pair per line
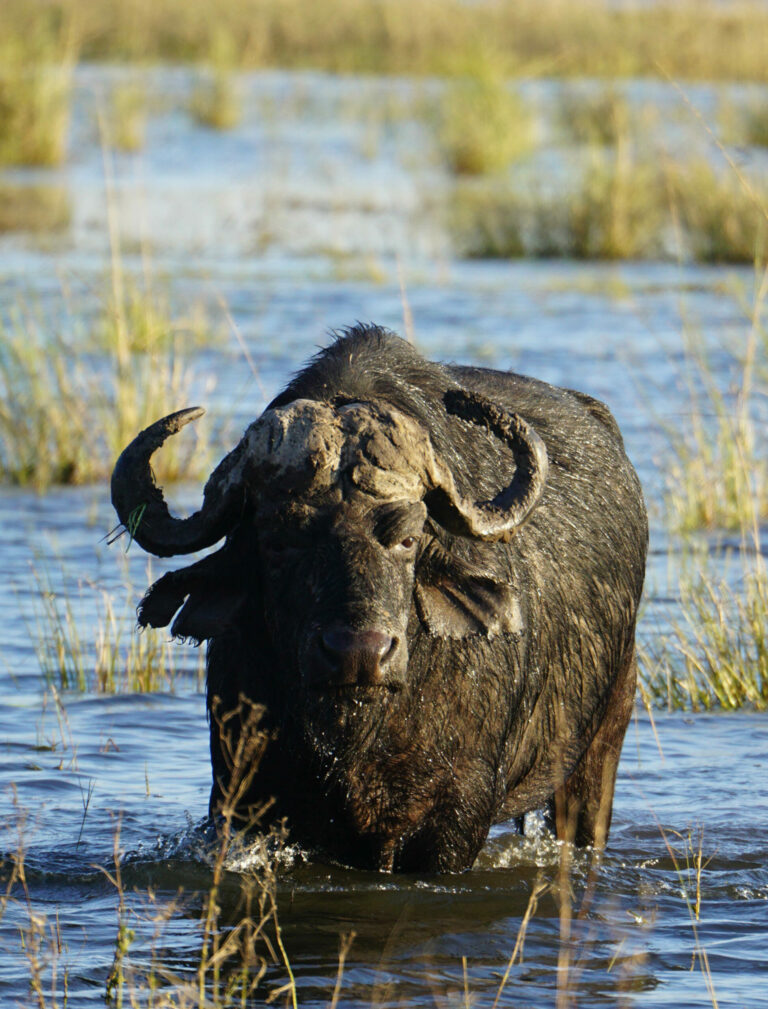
336, 497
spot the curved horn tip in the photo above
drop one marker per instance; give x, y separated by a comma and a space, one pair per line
181, 418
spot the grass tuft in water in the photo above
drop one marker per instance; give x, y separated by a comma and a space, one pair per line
36, 59
744, 123
612, 213
70, 403
215, 101
126, 121
240, 936
717, 653
724, 218
717, 467
37, 208
593, 116
482, 125
102, 653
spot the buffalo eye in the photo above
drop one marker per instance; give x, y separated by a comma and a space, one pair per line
408, 543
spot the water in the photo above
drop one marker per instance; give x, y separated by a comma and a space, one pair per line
79, 769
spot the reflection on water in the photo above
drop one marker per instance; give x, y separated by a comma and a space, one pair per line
75, 768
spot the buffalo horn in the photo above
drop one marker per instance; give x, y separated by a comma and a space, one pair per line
141, 507
495, 519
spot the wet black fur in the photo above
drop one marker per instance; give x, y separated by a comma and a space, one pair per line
520, 672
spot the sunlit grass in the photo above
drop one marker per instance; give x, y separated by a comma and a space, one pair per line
36, 60
717, 462
482, 126
612, 212
744, 123
126, 118
102, 651
599, 116
716, 655
723, 218
615, 206
71, 401
706, 40
215, 101
716, 468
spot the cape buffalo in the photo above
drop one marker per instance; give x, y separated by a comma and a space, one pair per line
429, 580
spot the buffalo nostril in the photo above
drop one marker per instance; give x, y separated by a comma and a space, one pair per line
388, 650
357, 656
343, 642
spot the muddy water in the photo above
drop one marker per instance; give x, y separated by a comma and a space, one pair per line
76, 767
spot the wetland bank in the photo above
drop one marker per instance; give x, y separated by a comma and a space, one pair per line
188, 232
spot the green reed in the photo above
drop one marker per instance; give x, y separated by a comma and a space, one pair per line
126, 117
215, 101
71, 401
111, 656
36, 59
481, 125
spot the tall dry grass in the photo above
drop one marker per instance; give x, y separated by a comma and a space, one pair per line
481, 125
688, 40
86, 640
71, 401
37, 54
716, 653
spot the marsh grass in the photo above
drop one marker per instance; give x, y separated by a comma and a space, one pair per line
482, 126
618, 206
717, 463
239, 932
72, 401
35, 208
689, 40
716, 655
36, 60
126, 117
216, 101
34, 114
104, 653
612, 212
744, 123
598, 116
722, 216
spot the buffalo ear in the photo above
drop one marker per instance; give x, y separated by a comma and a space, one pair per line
207, 614
455, 600
208, 600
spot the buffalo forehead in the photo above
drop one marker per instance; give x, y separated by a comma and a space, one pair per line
379, 449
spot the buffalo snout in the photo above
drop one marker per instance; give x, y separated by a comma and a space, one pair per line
353, 658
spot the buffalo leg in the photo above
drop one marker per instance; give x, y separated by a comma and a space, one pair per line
583, 804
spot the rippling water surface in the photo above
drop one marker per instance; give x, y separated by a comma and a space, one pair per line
676, 913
